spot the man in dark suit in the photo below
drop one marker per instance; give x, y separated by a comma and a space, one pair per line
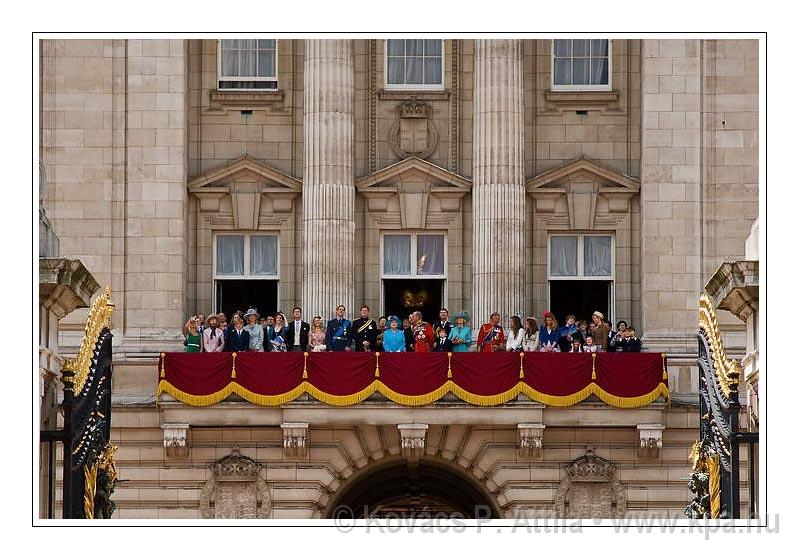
297, 332
339, 337
237, 339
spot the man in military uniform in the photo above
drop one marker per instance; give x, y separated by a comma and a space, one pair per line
365, 332
338, 336
423, 333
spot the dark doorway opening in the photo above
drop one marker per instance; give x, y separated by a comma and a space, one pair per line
235, 295
580, 298
411, 489
402, 297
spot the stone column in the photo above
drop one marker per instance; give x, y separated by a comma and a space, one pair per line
498, 192
328, 177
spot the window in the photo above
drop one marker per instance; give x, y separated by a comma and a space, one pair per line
414, 64
581, 257
246, 256
247, 64
581, 64
413, 255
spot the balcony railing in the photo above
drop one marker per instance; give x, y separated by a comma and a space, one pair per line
625, 380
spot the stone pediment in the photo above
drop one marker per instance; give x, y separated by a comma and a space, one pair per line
245, 171
413, 193
246, 182
413, 170
575, 189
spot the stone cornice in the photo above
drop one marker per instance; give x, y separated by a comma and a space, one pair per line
65, 285
734, 288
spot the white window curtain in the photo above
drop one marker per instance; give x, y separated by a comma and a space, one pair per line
248, 58
264, 254
580, 62
414, 61
430, 254
564, 255
230, 254
397, 254
597, 255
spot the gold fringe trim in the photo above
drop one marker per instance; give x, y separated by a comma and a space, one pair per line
342, 400
630, 402
194, 400
552, 400
163, 359
713, 484
485, 400
268, 400
415, 400
377, 366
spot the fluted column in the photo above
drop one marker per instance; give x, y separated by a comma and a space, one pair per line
328, 177
498, 193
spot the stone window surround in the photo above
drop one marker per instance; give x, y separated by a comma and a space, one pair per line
246, 274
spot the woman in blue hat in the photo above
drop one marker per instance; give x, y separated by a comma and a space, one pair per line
394, 339
461, 335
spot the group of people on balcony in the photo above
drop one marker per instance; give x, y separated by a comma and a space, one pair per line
250, 332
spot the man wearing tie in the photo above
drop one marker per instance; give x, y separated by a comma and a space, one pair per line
297, 332
443, 322
238, 339
338, 336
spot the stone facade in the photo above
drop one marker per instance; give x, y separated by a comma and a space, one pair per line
147, 161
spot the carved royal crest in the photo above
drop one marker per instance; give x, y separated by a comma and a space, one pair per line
414, 133
590, 490
235, 490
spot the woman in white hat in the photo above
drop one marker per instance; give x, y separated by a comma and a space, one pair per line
599, 330
255, 329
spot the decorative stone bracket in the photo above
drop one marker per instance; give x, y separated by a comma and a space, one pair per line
412, 440
650, 440
176, 438
295, 439
530, 440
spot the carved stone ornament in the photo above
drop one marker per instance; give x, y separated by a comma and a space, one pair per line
530, 440
414, 133
412, 440
176, 437
650, 440
590, 490
235, 490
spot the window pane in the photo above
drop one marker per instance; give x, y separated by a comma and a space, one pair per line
597, 255
413, 70
600, 71
433, 70
266, 43
562, 71
433, 47
229, 66
397, 70
395, 47
562, 47
599, 47
564, 255
264, 254
397, 254
580, 47
580, 71
430, 254
414, 47
230, 254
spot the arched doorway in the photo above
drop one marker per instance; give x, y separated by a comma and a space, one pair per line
401, 488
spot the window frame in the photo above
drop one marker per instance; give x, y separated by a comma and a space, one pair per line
580, 255
582, 87
221, 78
409, 87
246, 265
413, 276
